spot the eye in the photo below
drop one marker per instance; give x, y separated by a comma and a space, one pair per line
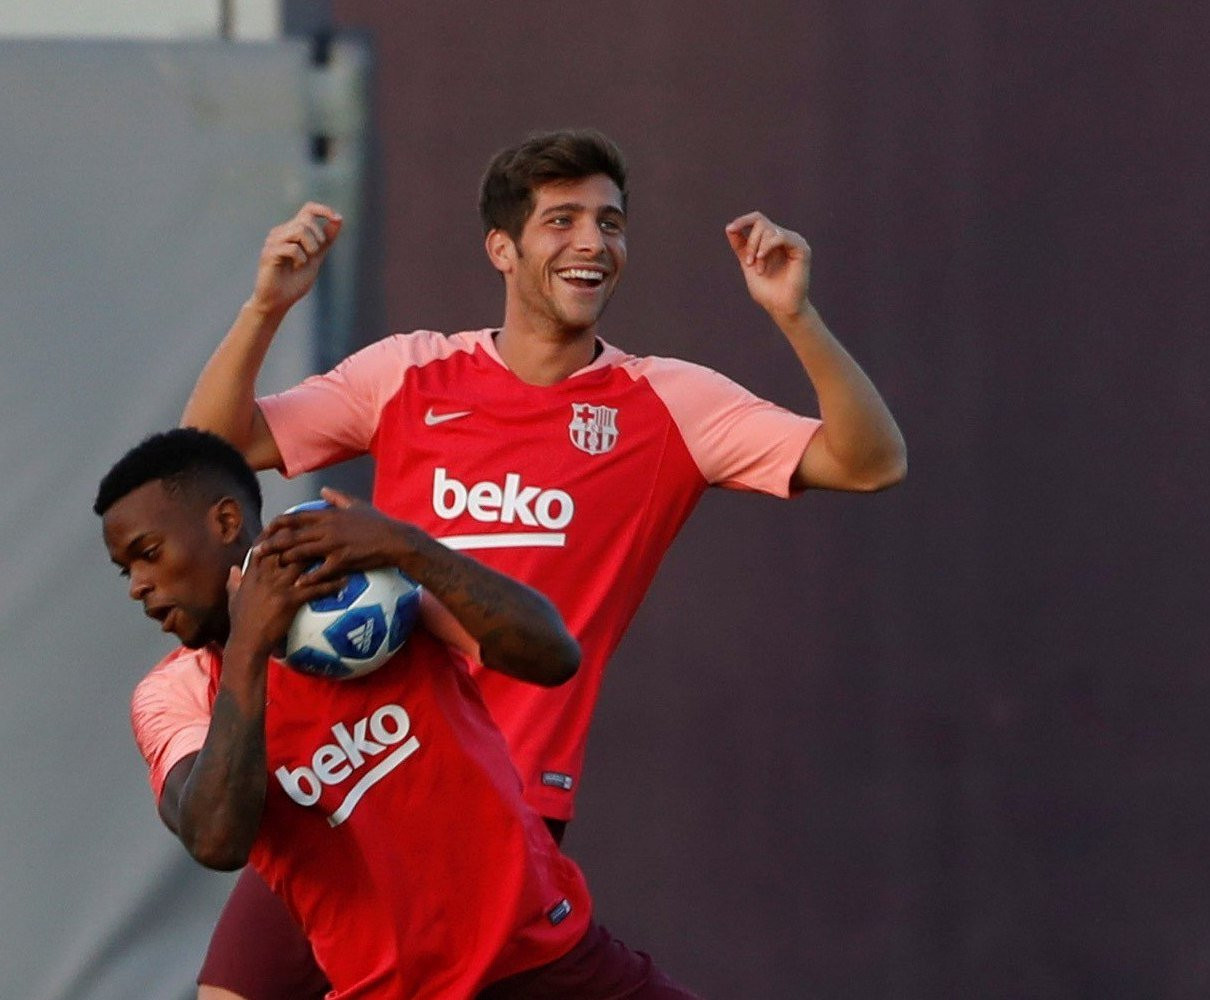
560, 220
611, 226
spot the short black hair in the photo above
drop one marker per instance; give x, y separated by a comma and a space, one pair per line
185, 459
506, 193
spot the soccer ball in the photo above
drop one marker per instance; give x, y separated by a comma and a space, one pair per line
353, 632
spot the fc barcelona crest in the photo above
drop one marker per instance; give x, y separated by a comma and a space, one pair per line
593, 429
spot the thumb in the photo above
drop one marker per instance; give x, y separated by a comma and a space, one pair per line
336, 498
738, 240
331, 228
234, 578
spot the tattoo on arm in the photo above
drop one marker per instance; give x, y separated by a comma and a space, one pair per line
518, 630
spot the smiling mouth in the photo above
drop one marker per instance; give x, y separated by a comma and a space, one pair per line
582, 277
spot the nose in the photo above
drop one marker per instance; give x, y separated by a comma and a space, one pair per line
589, 237
140, 586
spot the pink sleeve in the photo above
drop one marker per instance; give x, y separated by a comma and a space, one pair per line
170, 714
738, 440
333, 417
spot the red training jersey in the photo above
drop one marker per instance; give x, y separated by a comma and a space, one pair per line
577, 489
394, 825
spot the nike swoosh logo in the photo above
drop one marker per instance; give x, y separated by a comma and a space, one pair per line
432, 419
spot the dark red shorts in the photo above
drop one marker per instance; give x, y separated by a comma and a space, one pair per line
598, 968
258, 952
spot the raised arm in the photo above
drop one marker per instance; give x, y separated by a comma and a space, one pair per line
213, 800
519, 631
859, 447
224, 397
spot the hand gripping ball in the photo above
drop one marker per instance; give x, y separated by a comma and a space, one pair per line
353, 632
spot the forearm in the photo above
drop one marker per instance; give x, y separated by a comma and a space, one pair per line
519, 631
223, 797
863, 446
224, 397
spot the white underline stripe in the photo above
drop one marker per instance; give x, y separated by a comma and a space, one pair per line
372, 777
506, 540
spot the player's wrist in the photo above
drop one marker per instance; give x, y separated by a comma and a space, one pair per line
410, 548
247, 651
264, 311
802, 317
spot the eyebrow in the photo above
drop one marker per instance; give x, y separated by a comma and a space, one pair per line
130, 546
575, 206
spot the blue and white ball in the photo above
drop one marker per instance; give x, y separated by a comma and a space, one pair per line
355, 631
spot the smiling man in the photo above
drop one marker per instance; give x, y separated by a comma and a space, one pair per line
561, 266
537, 446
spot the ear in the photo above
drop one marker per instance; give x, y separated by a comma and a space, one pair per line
501, 250
227, 519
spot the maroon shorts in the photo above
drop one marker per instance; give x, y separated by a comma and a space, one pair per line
598, 968
258, 952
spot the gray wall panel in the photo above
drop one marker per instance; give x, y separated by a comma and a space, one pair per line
140, 181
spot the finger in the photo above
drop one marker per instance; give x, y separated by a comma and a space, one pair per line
744, 234
325, 220
792, 242
762, 242
318, 210
774, 240
297, 245
770, 240
288, 534
739, 240
297, 544
278, 534
234, 578
307, 590
325, 571
279, 571
331, 227
338, 498
750, 249
262, 560
738, 233
313, 556
310, 237
744, 222
310, 249
281, 249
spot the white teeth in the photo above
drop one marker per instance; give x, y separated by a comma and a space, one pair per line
582, 273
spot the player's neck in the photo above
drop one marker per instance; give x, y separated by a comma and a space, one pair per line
544, 357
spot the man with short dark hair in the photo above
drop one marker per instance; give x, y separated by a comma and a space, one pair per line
412, 862
506, 192
549, 453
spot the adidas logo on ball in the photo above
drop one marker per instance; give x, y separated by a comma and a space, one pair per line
362, 637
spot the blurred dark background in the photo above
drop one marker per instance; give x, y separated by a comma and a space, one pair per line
950, 740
